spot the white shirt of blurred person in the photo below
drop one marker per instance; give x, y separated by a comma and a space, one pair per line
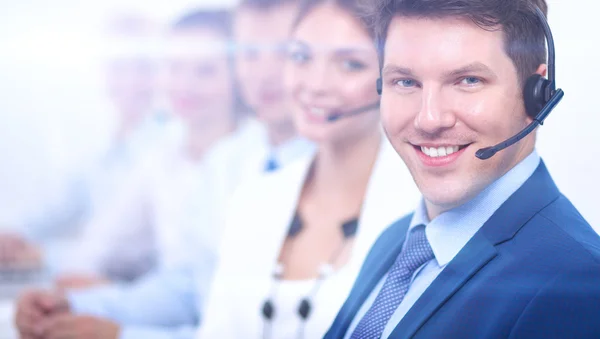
304, 232
169, 303
139, 130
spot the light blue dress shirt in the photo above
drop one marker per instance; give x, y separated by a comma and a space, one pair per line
447, 234
168, 303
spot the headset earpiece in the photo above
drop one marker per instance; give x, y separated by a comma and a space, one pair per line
535, 94
539, 94
379, 86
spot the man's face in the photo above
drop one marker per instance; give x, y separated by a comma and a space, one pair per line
261, 36
198, 80
449, 90
130, 70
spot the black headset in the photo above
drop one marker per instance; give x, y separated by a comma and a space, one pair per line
539, 94
538, 91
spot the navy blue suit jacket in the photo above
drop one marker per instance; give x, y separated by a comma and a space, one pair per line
531, 271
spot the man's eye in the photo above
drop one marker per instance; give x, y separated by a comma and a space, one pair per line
470, 81
352, 65
299, 57
406, 83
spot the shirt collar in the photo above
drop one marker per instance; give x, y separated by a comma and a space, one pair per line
449, 232
291, 150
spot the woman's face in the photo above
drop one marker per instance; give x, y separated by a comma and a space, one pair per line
332, 68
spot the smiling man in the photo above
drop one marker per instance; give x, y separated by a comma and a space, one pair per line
494, 250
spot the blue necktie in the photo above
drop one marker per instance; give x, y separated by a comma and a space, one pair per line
271, 165
416, 252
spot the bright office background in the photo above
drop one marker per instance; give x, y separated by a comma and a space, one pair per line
53, 112
55, 115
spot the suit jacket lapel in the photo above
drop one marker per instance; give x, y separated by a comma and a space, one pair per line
536, 193
476, 254
375, 267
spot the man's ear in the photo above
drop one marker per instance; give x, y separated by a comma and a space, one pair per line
542, 70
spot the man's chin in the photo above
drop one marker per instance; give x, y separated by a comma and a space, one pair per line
442, 200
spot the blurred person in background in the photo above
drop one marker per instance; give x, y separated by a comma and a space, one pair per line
290, 255
169, 302
170, 190
130, 78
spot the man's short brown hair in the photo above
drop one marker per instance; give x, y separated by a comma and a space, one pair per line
264, 4
524, 36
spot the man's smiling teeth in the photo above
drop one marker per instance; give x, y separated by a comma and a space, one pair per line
435, 152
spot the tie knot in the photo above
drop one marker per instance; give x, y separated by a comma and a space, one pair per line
271, 165
417, 250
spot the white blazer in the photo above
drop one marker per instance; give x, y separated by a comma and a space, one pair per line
260, 215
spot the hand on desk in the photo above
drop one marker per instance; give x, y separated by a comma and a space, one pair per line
69, 326
46, 315
16, 252
34, 307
